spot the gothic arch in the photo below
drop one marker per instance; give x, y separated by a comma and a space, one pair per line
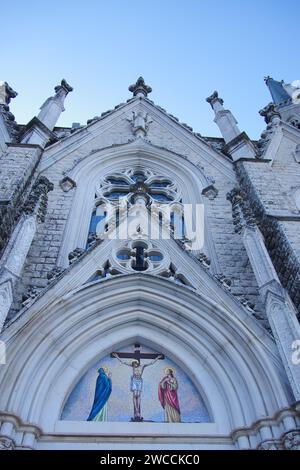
90, 169
236, 370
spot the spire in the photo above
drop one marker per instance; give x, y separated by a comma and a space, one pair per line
39, 130
223, 118
140, 89
238, 145
54, 106
277, 90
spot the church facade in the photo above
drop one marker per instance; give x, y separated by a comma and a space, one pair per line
149, 278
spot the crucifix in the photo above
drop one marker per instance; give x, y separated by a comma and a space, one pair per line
136, 383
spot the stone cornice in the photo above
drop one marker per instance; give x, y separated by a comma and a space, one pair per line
36, 123
141, 435
237, 142
21, 146
252, 160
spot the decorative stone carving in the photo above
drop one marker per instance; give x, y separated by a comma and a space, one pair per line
140, 88
204, 260
295, 122
275, 239
173, 274
37, 200
272, 118
225, 281
184, 124
6, 93
270, 113
140, 256
104, 272
270, 445
291, 440
213, 98
139, 123
31, 294
75, 254
247, 304
210, 192
6, 443
67, 184
241, 210
54, 273
64, 86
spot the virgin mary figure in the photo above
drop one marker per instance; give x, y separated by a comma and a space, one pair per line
102, 394
167, 395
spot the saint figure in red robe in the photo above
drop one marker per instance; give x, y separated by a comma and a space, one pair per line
167, 395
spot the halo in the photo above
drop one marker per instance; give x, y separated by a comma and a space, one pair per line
105, 368
170, 368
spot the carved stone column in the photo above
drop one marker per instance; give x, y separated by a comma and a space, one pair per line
279, 308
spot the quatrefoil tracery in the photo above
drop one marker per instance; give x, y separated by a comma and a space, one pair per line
128, 183
139, 255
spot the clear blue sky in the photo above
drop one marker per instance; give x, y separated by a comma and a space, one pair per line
184, 49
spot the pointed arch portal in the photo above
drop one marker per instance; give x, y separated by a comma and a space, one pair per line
236, 371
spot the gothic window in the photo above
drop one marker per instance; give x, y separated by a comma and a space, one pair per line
125, 185
98, 216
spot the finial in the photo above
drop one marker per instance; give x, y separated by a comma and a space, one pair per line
140, 88
270, 113
6, 93
213, 98
63, 86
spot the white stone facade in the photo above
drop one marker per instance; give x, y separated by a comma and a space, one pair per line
226, 313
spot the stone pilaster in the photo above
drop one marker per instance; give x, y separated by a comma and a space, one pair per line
280, 310
14, 257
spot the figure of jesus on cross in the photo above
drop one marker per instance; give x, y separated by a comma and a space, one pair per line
136, 383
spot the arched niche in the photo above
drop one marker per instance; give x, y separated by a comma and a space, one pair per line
232, 363
162, 387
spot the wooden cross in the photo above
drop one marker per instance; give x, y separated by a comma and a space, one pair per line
137, 354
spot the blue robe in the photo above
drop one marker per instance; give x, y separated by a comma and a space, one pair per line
102, 393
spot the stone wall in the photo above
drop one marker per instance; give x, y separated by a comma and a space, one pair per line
17, 167
231, 256
277, 217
